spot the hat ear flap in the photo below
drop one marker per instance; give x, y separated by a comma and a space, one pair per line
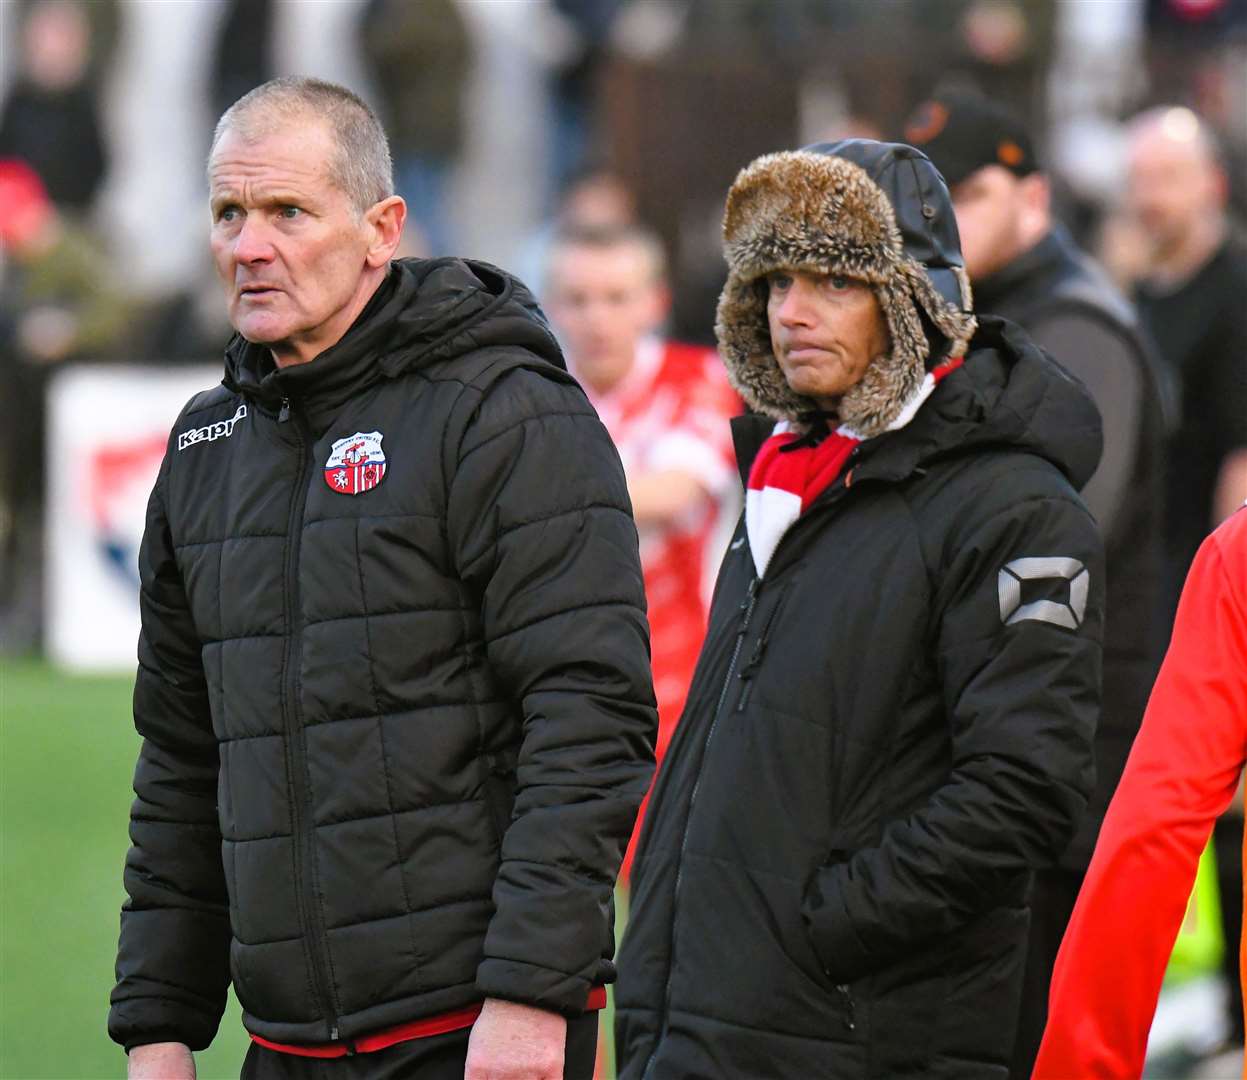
744, 335
893, 379
957, 326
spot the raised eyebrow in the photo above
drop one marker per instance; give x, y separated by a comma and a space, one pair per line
275, 198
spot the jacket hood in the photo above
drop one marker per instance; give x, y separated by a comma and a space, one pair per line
426, 311
1009, 395
876, 212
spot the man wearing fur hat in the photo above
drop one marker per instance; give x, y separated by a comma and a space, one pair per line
891, 721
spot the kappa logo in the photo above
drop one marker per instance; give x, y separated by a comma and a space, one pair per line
222, 429
356, 464
1074, 582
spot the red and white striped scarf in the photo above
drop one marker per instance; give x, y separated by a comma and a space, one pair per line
783, 483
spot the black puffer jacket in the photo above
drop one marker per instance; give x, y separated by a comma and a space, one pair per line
881, 740
1053, 285
394, 742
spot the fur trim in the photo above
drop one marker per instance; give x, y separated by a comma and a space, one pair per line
800, 210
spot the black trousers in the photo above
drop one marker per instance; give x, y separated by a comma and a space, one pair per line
439, 1057
1052, 903
1227, 841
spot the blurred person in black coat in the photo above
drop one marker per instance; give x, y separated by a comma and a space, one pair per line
420, 56
50, 118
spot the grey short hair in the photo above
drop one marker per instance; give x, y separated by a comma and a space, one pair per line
361, 167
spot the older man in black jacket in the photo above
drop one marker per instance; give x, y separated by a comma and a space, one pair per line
394, 687
891, 720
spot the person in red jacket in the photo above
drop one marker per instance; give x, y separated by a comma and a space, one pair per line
667, 406
1182, 774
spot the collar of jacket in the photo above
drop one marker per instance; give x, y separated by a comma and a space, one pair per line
1054, 275
1007, 395
426, 310
1030, 274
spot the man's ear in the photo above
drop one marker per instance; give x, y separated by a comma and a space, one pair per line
1036, 211
1037, 193
660, 305
385, 219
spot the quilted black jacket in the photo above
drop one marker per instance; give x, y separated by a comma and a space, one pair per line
396, 723
882, 738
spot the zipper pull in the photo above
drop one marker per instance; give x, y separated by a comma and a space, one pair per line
846, 995
284, 415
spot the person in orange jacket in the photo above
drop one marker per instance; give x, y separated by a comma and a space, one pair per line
1182, 773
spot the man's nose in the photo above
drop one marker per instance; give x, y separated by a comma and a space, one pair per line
253, 243
794, 306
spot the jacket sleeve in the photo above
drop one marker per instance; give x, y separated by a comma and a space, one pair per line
540, 523
1017, 657
1182, 773
173, 957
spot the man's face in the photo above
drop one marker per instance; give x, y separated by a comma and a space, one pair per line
990, 205
602, 301
288, 245
1171, 185
826, 330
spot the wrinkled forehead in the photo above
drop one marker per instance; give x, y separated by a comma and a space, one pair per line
302, 149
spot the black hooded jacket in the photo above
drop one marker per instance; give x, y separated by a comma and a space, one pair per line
1054, 292
882, 739
393, 741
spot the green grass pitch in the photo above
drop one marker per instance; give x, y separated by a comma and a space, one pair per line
67, 749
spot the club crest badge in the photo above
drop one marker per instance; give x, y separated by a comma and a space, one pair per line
356, 464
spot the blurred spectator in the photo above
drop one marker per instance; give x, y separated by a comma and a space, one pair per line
586, 27
1191, 299
56, 304
1024, 267
187, 327
595, 198
244, 51
667, 408
50, 118
420, 56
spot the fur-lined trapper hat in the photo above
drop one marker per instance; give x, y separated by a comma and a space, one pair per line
876, 212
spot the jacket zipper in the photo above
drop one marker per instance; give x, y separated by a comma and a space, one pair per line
747, 608
296, 744
750, 670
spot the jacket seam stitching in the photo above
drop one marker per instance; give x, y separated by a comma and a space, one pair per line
545, 414
498, 959
380, 615
365, 719
512, 527
608, 603
226, 539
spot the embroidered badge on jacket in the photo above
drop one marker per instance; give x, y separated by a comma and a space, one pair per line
356, 464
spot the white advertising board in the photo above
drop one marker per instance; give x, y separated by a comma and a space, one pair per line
107, 428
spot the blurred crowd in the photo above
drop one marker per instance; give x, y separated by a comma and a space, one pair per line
586, 145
